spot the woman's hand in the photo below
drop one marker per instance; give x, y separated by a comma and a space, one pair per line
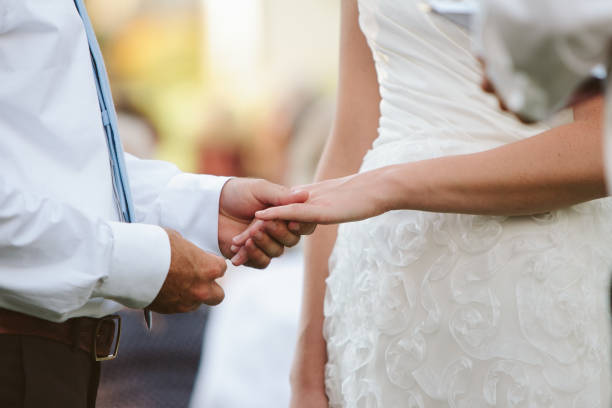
240, 199
338, 200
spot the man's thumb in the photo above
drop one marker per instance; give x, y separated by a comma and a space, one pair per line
275, 195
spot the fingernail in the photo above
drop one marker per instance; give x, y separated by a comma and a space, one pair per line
298, 192
234, 248
235, 259
260, 213
236, 239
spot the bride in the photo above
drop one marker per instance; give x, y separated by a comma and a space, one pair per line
485, 286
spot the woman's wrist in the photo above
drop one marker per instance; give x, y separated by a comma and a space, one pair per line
395, 187
307, 376
308, 368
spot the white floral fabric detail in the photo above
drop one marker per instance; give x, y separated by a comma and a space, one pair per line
429, 310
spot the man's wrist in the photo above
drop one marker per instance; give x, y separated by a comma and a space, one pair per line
222, 219
139, 264
222, 195
197, 216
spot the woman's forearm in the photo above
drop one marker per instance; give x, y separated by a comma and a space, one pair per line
551, 170
554, 169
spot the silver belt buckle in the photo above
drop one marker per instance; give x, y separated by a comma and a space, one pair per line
116, 319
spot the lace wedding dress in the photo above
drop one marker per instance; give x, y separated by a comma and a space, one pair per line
445, 310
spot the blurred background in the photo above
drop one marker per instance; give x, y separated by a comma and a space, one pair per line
226, 87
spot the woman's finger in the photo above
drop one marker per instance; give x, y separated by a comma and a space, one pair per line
241, 238
240, 258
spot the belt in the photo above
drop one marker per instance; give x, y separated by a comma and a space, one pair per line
97, 337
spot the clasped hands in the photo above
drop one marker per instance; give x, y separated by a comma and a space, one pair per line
191, 279
257, 220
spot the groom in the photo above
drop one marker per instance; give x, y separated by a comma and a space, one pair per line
78, 242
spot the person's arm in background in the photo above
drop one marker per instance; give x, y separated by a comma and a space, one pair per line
538, 54
210, 210
354, 129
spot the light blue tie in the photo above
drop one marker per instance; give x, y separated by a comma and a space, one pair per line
121, 186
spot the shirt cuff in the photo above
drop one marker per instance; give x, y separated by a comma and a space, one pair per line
140, 262
190, 205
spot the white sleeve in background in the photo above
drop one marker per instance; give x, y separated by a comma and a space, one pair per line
55, 259
538, 52
187, 203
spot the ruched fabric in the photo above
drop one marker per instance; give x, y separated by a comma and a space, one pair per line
429, 310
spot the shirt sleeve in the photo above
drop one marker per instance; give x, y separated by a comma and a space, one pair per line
187, 203
537, 53
55, 258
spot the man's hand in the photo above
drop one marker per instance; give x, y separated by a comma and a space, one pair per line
240, 199
191, 279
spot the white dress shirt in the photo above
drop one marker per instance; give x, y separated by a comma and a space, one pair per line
62, 252
537, 53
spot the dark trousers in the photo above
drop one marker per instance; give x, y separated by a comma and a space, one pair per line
157, 368
37, 373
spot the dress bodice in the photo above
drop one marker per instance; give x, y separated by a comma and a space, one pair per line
430, 80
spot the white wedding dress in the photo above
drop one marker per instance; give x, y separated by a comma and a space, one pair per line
444, 310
